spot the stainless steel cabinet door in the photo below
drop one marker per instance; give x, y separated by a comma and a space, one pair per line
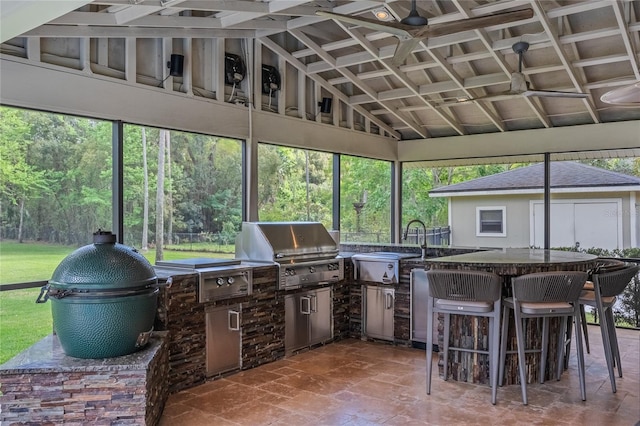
379, 303
419, 296
297, 309
321, 318
224, 339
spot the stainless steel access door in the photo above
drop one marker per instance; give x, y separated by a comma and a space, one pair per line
297, 308
419, 296
224, 339
320, 320
378, 311
308, 319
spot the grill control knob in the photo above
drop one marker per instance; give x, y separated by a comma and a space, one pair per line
312, 269
231, 280
220, 282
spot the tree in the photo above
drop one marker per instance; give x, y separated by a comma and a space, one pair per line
169, 189
145, 192
162, 138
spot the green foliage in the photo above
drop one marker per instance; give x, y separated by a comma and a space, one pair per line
368, 181
59, 168
19, 180
294, 184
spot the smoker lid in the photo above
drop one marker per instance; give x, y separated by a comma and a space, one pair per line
103, 266
275, 241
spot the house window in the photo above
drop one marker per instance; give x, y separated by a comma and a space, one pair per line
491, 222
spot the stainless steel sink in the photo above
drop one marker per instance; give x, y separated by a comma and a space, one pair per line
379, 266
385, 255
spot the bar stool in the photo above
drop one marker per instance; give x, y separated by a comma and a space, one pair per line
605, 264
475, 293
606, 287
544, 295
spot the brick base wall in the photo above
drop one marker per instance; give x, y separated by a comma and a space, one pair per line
43, 386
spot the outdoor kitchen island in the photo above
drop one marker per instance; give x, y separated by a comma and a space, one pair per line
181, 359
507, 263
263, 317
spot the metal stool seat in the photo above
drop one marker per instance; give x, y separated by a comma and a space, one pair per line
544, 295
474, 293
606, 287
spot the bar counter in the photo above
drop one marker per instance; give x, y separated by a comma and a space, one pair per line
472, 332
513, 262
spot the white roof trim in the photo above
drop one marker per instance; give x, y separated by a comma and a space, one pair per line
571, 190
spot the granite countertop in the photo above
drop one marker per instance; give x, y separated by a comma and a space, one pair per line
47, 356
516, 256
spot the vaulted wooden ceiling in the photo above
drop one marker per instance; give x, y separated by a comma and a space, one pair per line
575, 46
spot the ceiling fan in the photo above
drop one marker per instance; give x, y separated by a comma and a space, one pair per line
519, 85
627, 96
415, 28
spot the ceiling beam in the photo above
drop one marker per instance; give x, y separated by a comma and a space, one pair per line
335, 92
626, 39
19, 16
74, 31
234, 19
358, 83
90, 18
537, 7
413, 88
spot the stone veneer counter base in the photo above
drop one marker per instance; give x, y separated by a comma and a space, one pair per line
42, 385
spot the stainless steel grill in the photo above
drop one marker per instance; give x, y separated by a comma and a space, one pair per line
219, 279
304, 251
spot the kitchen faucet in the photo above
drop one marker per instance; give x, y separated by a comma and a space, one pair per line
424, 230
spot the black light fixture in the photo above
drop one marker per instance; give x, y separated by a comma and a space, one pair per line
325, 105
270, 79
176, 65
234, 69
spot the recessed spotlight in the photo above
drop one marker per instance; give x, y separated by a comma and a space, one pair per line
382, 14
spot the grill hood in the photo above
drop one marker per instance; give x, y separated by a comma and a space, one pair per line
285, 242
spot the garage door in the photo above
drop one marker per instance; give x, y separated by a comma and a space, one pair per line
594, 223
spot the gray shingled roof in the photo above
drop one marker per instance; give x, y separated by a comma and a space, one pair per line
564, 174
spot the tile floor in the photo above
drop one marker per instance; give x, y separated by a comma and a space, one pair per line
353, 382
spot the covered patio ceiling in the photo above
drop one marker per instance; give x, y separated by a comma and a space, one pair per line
575, 46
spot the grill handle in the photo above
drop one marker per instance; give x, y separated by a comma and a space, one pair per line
234, 318
305, 310
44, 294
389, 300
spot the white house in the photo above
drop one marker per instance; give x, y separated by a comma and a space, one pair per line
591, 207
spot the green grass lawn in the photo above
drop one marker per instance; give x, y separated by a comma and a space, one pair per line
22, 321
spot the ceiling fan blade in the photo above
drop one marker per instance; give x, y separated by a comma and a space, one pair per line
394, 28
628, 96
404, 49
555, 94
491, 98
445, 28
